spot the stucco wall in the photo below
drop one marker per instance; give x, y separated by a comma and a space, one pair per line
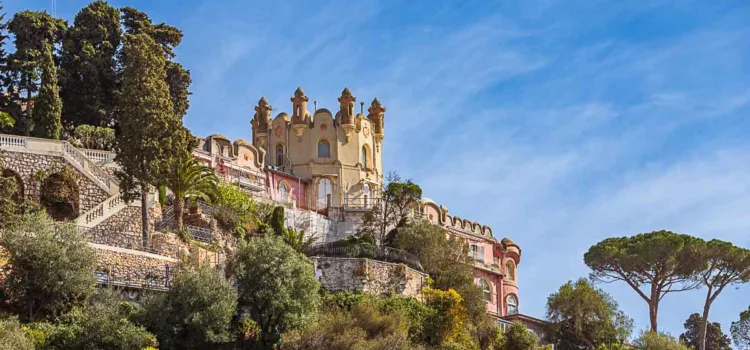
377, 277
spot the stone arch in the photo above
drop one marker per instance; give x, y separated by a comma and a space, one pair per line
18, 197
60, 195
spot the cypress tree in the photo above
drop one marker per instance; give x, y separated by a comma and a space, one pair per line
89, 80
33, 32
47, 104
152, 140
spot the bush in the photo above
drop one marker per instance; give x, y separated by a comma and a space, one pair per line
93, 137
194, 314
277, 286
658, 341
53, 267
518, 337
13, 337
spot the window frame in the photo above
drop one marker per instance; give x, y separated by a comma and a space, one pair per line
514, 304
328, 148
486, 289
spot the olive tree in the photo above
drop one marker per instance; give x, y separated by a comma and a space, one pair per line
51, 267
277, 286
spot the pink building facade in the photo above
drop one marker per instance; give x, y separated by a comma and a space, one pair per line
495, 262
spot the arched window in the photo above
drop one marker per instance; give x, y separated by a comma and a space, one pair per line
279, 155
363, 157
325, 193
510, 270
324, 149
486, 290
512, 302
283, 192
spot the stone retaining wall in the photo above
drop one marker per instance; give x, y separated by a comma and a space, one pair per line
366, 275
133, 265
28, 166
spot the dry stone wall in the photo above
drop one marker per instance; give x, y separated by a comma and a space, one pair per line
366, 275
28, 166
133, 266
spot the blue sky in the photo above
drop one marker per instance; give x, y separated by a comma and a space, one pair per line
556, 123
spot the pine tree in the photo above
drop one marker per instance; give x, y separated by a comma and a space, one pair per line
89, 79
48, 106
152, 140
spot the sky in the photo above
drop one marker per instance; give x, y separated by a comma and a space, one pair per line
557, 123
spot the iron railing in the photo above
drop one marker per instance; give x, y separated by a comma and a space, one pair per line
153, 278
369, 251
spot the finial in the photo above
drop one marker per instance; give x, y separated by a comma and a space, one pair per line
346, 92
361, 107
262, 100
315, 105
299, 92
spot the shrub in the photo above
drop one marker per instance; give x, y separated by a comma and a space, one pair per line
658, 341
194, 314
13, 337
53, 267
93, 137
277, 286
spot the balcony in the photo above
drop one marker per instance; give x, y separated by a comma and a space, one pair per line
360, 203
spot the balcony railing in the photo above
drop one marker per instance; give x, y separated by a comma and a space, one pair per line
369, 251
360, 203
154, 278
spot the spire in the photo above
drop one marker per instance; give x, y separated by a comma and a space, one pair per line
346, 110
300, 116
261, 122
377, 118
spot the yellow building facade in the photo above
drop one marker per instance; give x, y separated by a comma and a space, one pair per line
341, 154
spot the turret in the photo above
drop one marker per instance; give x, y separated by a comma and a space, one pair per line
261, 122
377, 118
300, 116
345, 116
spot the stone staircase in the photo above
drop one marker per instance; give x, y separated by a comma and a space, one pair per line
80, 160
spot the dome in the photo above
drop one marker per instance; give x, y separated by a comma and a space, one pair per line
242, 142
262, 100
218, 136
376, 103
299, 92
508, 242
346, 92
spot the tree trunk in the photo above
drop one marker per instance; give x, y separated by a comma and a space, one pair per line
178, 205
144, 216
653, 310
704, 322
27, 132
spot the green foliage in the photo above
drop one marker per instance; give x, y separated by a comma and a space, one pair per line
518, 337
658, 341
8, 197
586, 317
35, 34
365, 326
277, 286
741, 330
6, 122
52, 267
277, 221
296, 240
152, 141
47, 104
715, 338
88, 83
93, 137
103, 324
59, 194
445, 324
399, 198
13, 337
723, 264
237, 210
190, 181
168, 37
665, 260
194, 314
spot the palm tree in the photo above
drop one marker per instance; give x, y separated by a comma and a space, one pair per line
191, 180
296, 239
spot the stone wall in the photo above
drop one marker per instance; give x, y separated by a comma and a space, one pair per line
28, 166
366, 275
135, 267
